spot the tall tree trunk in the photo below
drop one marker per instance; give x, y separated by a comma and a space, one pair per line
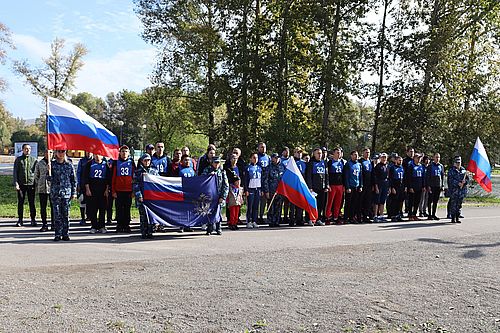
256, 75
432, 62
332, 35
380, 90
210, 85
282, 76
245, 77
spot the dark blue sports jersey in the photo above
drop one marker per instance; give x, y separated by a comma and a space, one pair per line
160, 163
301, 165
98, 170
124, 168
263, 160
187, 172
318, 167
352, 174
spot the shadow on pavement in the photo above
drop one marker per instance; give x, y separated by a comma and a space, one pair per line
474, 253
406, 225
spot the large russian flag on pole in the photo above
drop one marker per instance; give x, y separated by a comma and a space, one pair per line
69, 127
294, 188
479, 165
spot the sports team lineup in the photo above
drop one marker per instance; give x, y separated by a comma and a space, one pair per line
292, 187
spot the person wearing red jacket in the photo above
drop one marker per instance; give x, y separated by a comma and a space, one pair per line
122, 172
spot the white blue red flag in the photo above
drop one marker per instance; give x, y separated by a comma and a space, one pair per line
294, 188
181, 201
479, 165
69, 127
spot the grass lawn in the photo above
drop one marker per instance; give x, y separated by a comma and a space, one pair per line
8, 202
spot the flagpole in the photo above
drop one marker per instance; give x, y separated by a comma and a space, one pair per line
47, 120
271, 203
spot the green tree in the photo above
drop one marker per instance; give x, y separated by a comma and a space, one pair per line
188, 34
56, 77
5, 42
92, 105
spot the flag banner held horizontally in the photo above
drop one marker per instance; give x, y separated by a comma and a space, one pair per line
294, 188
479, 165
181, 201
69, 127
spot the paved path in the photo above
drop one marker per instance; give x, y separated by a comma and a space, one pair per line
17, 245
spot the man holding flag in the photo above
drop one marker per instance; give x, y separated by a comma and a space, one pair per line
479, 165
294, 187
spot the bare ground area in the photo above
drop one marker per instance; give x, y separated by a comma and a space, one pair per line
408, 277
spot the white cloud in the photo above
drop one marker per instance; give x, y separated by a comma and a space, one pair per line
32, 46
125, 70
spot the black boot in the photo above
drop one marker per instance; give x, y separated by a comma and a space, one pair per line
82, 214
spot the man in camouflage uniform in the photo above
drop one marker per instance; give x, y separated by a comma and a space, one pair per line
145, 166
270, 180
222, 190
457, 188
62, 189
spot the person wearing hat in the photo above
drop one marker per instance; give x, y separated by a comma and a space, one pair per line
457, 188
270, 180
366, 197
222, 189
234, 202
122, 172
397, 190
435, 184
62, 178
145, 167
381, 186
96, 179
296, 213
415, 176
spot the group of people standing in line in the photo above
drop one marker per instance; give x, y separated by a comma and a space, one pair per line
359, 189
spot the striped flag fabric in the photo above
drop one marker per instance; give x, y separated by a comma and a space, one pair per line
479, 165
181, 201
69, 127
294, 188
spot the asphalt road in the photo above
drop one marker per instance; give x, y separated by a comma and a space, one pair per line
409, 277
17, 245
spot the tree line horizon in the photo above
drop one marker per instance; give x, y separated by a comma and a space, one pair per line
292, 73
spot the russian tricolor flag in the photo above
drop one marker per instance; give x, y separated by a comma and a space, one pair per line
69, 127
294, 188
479, 165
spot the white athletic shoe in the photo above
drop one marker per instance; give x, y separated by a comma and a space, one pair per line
319, 222
103, 230
250, 225
255, 225
204, 226
93, 231
310, 223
